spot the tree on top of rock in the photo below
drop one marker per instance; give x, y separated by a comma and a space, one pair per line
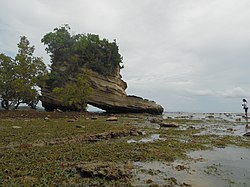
70, 53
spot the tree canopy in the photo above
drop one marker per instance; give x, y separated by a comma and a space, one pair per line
20, 76
80, 50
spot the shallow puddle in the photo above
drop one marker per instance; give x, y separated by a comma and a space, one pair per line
152, 138
230, 117
220, 129
229, 166
221, 167
214, 123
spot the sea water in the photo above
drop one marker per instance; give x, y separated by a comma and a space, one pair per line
229, 166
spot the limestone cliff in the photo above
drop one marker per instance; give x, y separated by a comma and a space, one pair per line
108, 94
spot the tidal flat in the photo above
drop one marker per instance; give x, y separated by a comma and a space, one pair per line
83, 149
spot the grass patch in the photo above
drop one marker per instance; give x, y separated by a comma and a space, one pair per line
25, 165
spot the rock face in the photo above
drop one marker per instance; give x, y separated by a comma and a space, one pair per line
105, 170
108, 94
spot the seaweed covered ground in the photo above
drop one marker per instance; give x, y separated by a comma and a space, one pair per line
95, 149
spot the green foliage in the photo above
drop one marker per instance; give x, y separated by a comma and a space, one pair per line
7, 72
20, 77
81, 50
76, 93
70, 54
59, 44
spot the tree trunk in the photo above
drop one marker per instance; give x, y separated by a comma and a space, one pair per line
17, 105
32, 105
5, 104
2, 104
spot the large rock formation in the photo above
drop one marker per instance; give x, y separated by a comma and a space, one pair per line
108, 94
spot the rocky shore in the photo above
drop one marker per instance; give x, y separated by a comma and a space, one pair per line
102, 149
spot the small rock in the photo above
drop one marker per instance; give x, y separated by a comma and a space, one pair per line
46, 118
58, 110
149, 181
105, 170
247, 134
210, 117
186, 185
172, 181
113, 118
16, 127
135, 133
71, 120
165, 124
94, 118
181, 117
80, 126
155, 120
180, 167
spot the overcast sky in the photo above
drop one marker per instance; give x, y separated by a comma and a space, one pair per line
187, 55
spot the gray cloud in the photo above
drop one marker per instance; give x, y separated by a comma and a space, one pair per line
187, 55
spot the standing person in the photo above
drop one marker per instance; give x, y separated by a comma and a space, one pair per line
245, 107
